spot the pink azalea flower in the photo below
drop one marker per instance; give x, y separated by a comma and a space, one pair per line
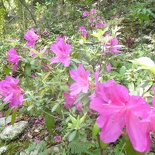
57, 138
83, 32
13, 58
99, 25
43, 121
17, 119
38, 32
11, 92
114, 47
98, 17
31, 38
78, 106
45, 32
91, 20
80, 76
37, 140
108, 67
85, 14
81, 28
111, 45
117, 109
117, 15
70, 99
46, 67
105, 24
93, 11
62, 50
36, 121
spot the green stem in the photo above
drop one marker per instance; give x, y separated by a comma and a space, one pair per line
101, 149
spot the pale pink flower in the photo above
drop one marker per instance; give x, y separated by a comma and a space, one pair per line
11, 92
45, 32
46, 67
43, 121
93, 11
117, 15
13, 58
83, 32
105, 24
36, 121
57, 138
117, 109
1, 115
17, 119
97, 67
111, 45
78, 106
108, 67
33, 76
62, 50
98, 17
80, 76
99, 25
85, 14
37, 140
31, 38
69, 101
38, 32
81, 28
91, 20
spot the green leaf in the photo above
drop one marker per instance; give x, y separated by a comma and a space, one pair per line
145, 63
28, 69
95, 131
29, 107
37, 53
8, 112
64, 88
55, 107
72, 136
49, 121
6, 70
122, 70
103, 145
130, 150
83, 118
73, 119
2, 105
13, 119
80, 97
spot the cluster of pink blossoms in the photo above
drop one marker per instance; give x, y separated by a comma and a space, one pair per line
118, 110
94, 20
11, 92
80, 76
83, 31
86, 13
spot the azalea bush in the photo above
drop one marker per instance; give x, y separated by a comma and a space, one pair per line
88, 91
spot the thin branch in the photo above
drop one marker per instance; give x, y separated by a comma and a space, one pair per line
29, 12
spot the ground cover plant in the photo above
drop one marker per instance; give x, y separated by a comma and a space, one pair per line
82, 74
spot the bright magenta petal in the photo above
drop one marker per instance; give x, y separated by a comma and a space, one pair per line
111, 128
138, 133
